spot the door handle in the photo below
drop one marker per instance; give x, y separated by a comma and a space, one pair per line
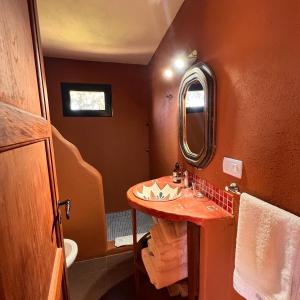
67, 204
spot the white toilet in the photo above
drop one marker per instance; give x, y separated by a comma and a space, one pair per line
71, 250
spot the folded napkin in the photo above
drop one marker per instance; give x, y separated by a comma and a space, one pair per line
267, 259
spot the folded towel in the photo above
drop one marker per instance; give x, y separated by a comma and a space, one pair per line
170, 252
159, 237
180, 228
183, 287
173, 290
168, 231
267, 252
127, 240
178, 288
169, 260
156, 234
162, 279
172, 231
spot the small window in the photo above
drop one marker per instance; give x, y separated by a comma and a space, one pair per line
195, 98
86, 100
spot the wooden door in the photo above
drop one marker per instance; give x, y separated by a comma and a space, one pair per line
32, 264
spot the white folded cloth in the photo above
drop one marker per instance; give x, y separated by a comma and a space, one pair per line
267, 259
172, 231
164, 250
159, 278
180, 228
127, 240
175, 255
176, 251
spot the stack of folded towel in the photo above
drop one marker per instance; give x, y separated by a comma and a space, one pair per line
165, 258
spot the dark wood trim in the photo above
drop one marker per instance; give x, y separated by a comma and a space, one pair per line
193, 245
20, 127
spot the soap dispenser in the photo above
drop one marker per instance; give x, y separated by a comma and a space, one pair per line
176, 177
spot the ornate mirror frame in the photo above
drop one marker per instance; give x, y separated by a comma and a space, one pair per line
202, 73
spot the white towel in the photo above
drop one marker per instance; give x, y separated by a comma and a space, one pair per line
127, 240
169, 252
164, 251
162, 279
180, 228
172, 231
167, 230
267, 259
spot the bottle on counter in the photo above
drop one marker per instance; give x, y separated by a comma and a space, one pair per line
176, 177
186, 179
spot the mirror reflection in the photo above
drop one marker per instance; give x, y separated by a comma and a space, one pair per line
195, 118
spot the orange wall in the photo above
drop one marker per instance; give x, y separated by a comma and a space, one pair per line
253, 47
115, 146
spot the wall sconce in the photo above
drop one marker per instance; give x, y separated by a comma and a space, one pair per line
168, 73
180, 63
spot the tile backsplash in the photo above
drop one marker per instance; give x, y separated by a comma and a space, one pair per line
218, 195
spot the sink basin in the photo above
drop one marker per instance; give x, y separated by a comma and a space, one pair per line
71, 250
157, 192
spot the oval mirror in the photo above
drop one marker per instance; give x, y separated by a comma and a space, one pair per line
197, 115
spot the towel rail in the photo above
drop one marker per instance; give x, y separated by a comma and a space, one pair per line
233, 188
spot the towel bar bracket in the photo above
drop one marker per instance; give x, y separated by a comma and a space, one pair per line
233, 188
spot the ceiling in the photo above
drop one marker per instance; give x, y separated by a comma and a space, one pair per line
123, 31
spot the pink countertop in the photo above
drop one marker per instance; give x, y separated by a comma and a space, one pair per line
185, 208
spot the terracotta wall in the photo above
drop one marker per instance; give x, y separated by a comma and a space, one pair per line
114, 146
253, 48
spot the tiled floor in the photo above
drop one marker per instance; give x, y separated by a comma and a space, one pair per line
120, 223
91, 279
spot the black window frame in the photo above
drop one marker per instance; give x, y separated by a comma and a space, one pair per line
66, 87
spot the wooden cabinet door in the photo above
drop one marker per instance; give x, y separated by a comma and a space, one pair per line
32, 264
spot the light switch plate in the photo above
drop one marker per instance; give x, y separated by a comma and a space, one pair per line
233, 167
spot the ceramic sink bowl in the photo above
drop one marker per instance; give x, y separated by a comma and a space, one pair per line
157, 192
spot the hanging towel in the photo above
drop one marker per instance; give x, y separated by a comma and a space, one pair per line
296, 280
267, 259
162, 279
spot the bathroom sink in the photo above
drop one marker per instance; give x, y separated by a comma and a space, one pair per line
71, 250
157, 192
